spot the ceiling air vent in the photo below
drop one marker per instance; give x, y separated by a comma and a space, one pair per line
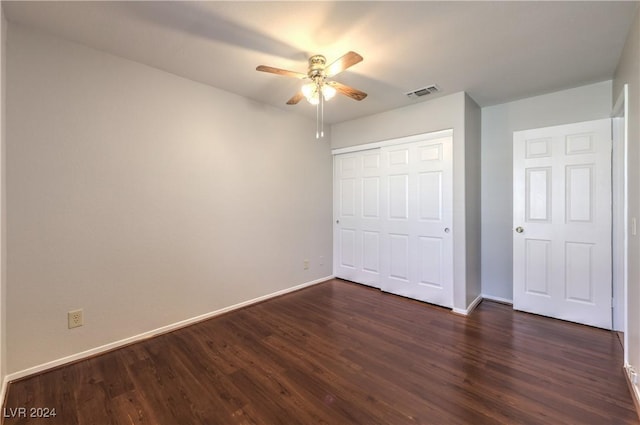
423, 91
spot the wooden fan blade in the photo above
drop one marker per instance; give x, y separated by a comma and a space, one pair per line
283, 72
346, 61
347, 91
296, 98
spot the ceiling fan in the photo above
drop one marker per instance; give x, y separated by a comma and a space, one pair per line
320, 88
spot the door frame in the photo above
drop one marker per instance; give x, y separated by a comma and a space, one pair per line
619, 233
393, 142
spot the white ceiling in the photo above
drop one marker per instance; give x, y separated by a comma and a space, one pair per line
495, 51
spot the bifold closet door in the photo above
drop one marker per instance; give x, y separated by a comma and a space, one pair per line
393, 216
417, 242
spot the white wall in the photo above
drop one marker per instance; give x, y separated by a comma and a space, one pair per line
424, 117
628, 72
3, 215
146, 199
498, 124
472, 128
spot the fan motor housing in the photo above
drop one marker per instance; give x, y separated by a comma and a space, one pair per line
317, 64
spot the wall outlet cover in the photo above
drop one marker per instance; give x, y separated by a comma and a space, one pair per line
75, 319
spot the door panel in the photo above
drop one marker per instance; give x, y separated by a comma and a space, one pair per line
538, 188
371, 251
348, 197
562, 222
397, 157
537, 267
430, 195
430, 266
579, 261
348, 248
398, 197
399, 257
357, 214
418, 184
579, 193
371, 197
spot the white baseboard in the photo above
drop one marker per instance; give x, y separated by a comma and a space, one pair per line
140, 337
497, 299
633, 388
469, 308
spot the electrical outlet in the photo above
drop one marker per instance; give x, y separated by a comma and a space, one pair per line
306, 264
74, 319
321, 261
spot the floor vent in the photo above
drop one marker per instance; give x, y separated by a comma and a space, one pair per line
423, 91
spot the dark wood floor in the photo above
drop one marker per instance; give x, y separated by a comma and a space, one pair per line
340, 353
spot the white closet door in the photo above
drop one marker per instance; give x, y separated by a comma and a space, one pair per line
416, 218
562, 222
357, 236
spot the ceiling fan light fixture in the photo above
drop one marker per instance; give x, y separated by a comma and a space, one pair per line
311, 93
328, 92
309, 90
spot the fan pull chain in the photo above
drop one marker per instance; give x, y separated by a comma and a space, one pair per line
321, 115
317, 121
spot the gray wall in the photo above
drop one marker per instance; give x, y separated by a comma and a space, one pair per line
146, 199
3, 215
498, 124
628, 72
423, 117
472, 131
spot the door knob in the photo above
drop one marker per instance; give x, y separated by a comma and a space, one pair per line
519, 229
446, 230
337, 221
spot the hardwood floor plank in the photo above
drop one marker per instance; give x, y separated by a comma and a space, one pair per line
341, 353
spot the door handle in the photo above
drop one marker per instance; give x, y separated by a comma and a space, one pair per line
519, 229
337, 221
